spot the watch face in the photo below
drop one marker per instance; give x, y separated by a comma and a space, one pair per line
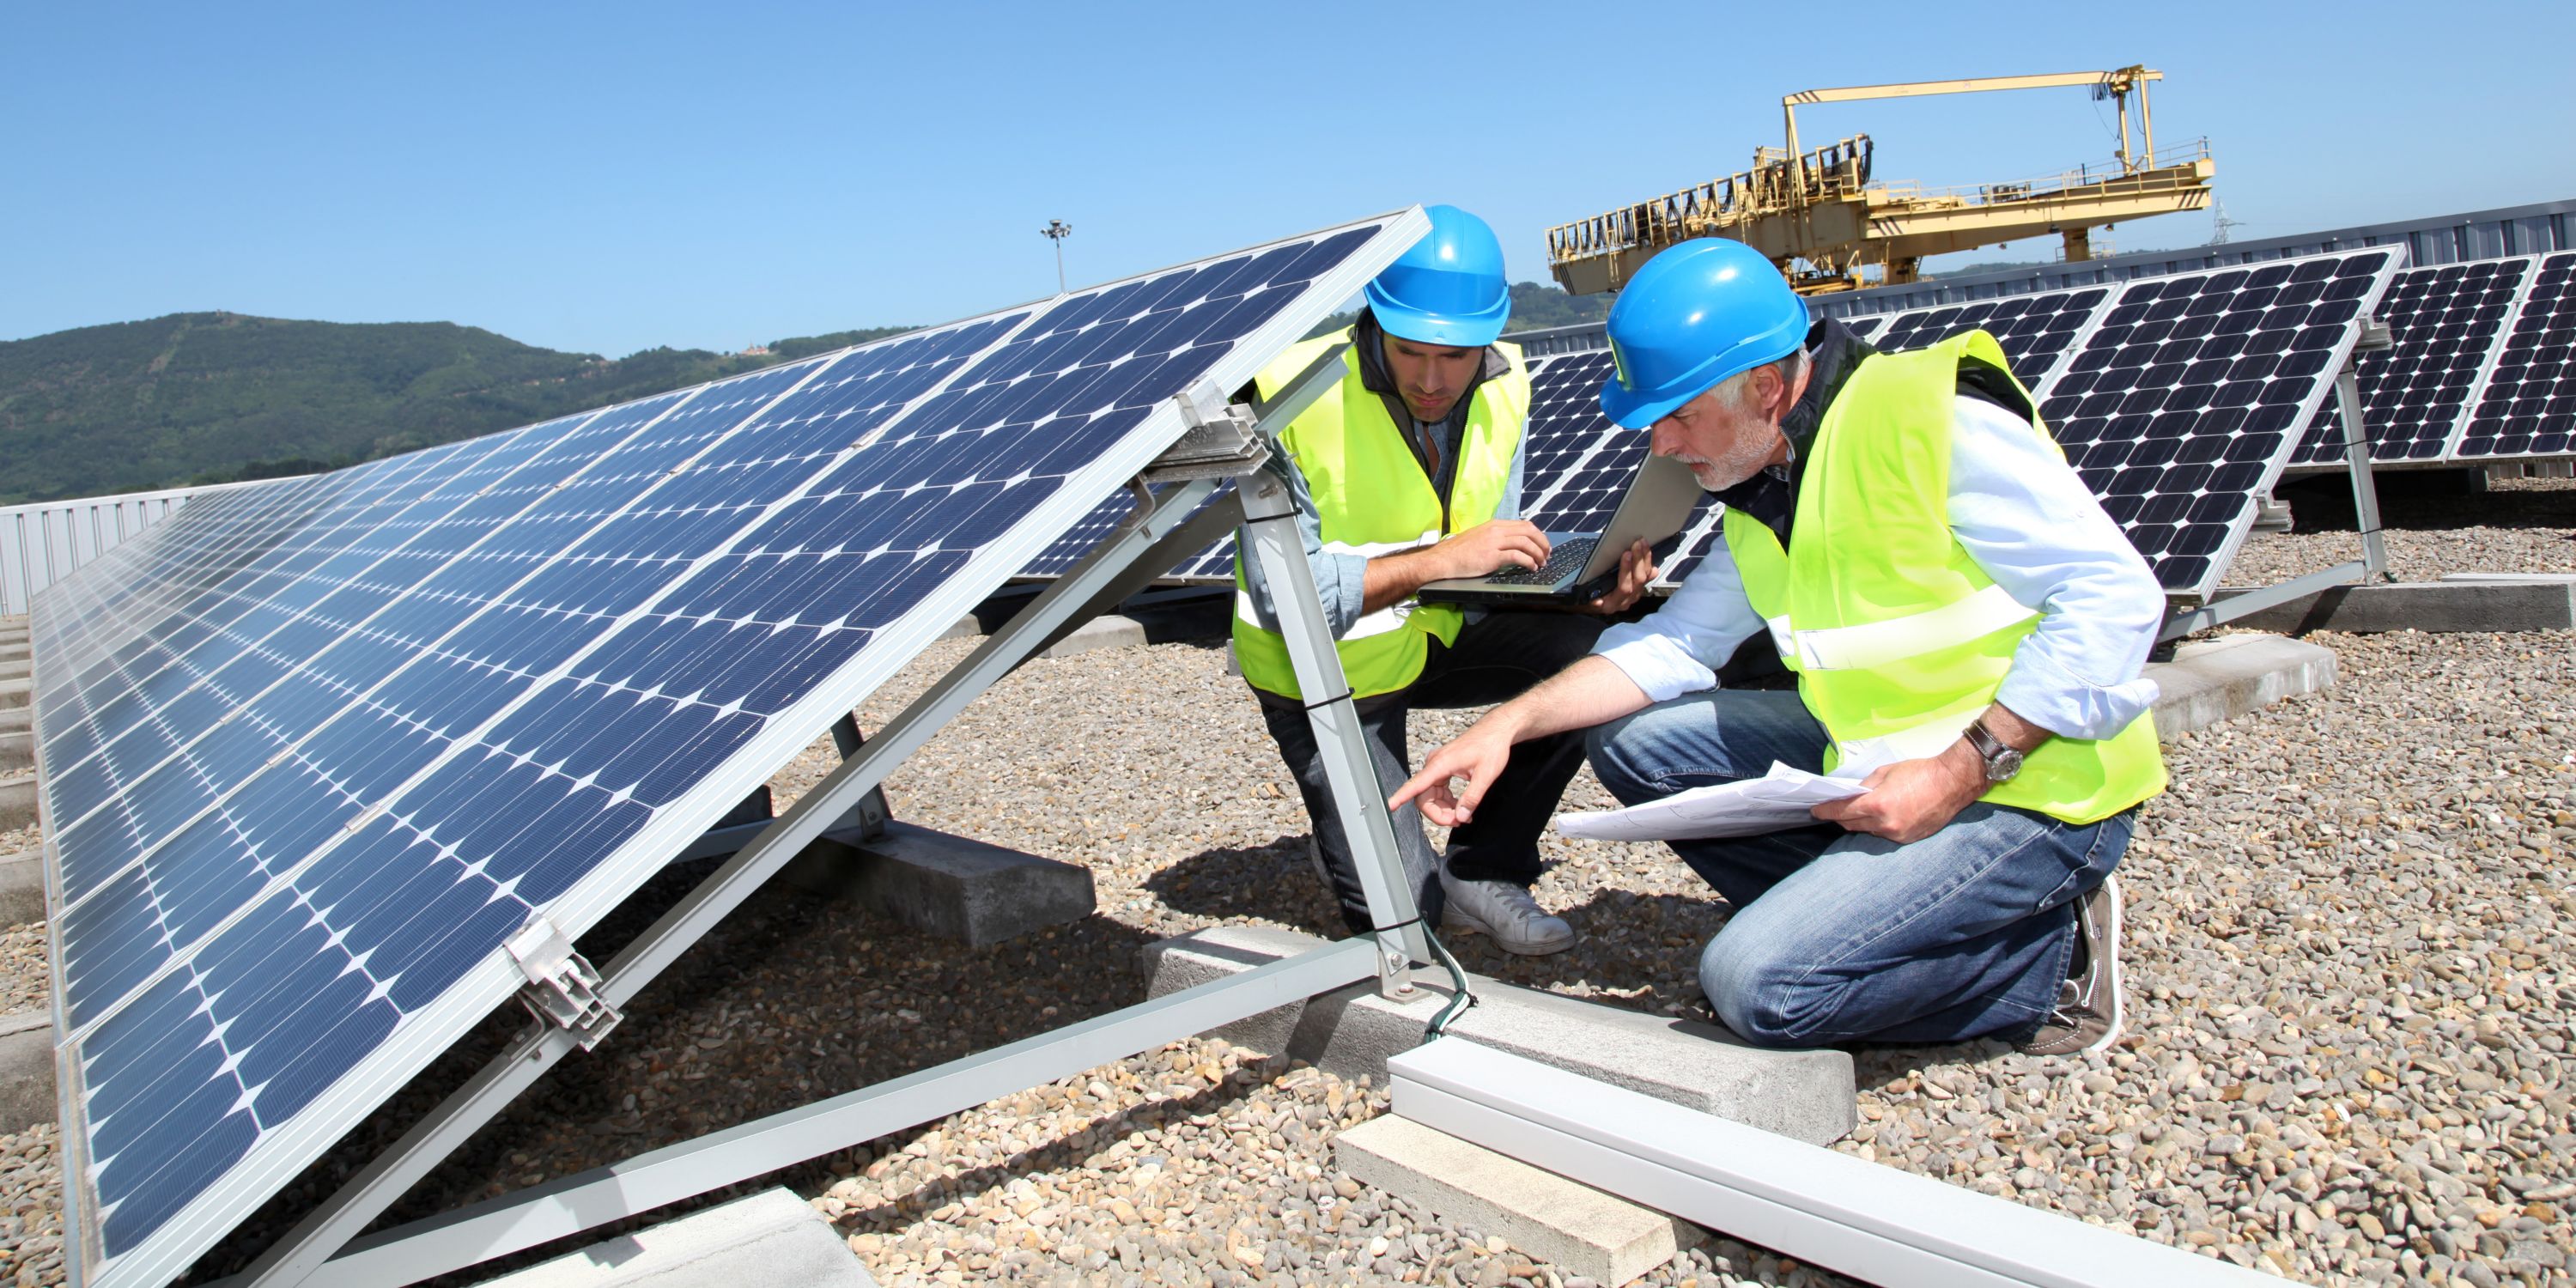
2003, 765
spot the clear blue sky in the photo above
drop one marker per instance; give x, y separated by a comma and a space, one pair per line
606, 177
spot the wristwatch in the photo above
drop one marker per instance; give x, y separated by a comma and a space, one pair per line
2002, 762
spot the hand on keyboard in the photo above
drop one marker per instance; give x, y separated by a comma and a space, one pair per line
1567, 558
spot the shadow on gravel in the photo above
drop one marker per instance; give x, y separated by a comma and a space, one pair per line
1050, 1156
1272, 882
2426, 500
1638, 951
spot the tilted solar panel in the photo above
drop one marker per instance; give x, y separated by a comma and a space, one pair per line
2036, 331
313, 754
2527, 406
2445, 326
2190, 394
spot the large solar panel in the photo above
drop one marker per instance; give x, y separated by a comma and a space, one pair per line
2444, 325
2036, 331
2527, 406
314, 751
2191, 391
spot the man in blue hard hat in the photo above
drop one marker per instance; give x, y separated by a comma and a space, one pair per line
1409, 473
1966, 628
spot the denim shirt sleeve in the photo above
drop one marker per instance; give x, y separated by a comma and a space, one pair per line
1509, 507
1677, 648
2021, 512
1340, 579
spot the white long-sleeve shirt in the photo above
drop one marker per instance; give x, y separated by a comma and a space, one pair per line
2022, 513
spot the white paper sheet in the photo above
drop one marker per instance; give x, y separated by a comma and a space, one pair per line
1776, 800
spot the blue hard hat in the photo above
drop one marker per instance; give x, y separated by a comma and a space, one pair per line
1449, 288
1696, 314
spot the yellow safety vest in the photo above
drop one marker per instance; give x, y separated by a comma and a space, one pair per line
1899, 639
1372, 499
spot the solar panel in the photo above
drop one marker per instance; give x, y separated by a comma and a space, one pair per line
2190, 393
2036, 331
314, 754
2527, 406
2444, 325
1576, 464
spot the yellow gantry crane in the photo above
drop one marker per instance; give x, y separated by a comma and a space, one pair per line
1830, 226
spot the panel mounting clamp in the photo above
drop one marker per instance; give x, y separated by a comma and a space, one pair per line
1222, 443
563, 987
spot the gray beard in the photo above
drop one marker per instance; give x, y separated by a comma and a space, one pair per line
1742, 462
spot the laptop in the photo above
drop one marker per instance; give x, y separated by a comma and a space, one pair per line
1582, 566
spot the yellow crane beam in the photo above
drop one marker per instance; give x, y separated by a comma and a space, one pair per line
2117, 83
1824, 207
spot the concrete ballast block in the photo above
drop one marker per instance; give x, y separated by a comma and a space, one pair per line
951, 886
17, 803
2230, 676
17, 720
2492, 602
15, 693
22, 888
17, 669
770, 1238
27, 1071
1350, 1032
1563, 1223
17, 750
1107, 631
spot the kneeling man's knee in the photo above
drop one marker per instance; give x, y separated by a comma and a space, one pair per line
1764, 995
1614, 762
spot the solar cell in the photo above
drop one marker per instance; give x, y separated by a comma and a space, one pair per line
2527, 406
2444, 325
349, 736
2189, 394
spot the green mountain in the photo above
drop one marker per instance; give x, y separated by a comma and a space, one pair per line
213, 397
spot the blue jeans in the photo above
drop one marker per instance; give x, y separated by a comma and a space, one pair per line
1842, 937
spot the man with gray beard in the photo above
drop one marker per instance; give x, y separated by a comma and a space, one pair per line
1967, 629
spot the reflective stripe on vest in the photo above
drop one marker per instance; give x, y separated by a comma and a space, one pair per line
1898, 638
1894, 639
1372, 499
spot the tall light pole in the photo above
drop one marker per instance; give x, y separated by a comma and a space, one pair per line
1056, 231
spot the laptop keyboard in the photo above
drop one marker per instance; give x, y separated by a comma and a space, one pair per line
1564, 559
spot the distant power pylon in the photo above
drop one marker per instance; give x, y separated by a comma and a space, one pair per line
1056, 231
2219, 223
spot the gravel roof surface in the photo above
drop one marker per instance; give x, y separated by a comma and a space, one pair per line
2346, 1058
2518, 525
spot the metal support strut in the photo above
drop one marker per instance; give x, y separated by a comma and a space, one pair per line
578, 1005
2357, 448
2373, 564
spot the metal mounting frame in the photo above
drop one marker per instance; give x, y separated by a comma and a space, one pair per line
2373, 564
1875, 1223
1176, 523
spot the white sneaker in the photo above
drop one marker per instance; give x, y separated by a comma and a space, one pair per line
1506, 914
